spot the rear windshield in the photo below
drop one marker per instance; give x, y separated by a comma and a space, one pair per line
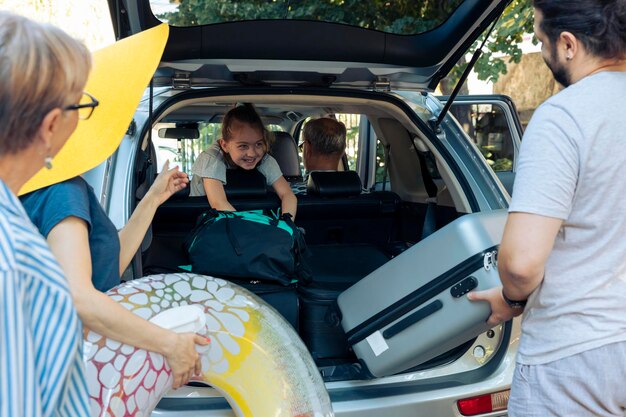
404, 17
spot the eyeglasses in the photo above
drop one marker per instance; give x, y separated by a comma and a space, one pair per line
301, 145
85, 106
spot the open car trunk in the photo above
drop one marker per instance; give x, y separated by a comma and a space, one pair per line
349, 236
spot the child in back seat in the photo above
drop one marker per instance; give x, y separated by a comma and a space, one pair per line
244, 145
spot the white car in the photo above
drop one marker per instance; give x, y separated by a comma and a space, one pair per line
377, 76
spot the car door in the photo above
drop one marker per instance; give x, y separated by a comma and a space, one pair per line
493, 124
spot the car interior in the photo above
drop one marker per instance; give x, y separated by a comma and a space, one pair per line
354, 219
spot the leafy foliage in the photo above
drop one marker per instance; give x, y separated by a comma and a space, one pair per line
403, 17
398, 16
503, 44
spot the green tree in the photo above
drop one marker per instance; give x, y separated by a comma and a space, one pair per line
504, 43
398, 16
404, 17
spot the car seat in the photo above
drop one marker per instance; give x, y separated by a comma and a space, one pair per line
285, 151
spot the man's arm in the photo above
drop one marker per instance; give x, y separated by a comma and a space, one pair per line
526, 244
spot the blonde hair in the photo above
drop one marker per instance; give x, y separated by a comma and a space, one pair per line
41, 68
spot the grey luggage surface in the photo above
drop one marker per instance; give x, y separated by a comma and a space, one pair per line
413, 308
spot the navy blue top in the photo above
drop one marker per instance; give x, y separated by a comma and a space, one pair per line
48, 206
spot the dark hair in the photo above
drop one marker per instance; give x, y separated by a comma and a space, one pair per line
327, 136
247, 114
599, 24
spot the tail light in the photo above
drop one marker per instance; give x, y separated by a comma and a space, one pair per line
484, 404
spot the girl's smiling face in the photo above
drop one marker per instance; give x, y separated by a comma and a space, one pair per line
245, 146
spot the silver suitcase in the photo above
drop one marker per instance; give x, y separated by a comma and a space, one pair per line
413, 308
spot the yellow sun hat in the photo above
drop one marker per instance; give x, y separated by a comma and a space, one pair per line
121, 72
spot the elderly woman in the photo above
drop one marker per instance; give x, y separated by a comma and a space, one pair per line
42, 75
86, 243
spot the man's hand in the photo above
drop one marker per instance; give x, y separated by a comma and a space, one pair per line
500, 310
183, 358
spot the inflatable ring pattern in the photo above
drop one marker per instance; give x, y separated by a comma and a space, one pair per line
255, 358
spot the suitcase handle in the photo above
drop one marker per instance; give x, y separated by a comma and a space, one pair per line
410, 320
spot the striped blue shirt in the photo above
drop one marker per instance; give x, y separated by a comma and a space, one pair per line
41, 367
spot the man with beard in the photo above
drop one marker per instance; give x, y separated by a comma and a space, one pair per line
562, 260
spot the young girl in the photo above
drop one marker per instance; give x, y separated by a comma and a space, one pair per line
244, 144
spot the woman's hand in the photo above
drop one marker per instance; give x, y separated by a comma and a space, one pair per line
183, 358
167, 183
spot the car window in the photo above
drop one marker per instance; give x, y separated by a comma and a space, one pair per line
183, 152
487, 126
381, 174
405, 18
352, 137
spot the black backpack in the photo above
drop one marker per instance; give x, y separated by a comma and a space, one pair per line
248, 244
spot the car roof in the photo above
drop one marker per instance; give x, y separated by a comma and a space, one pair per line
308, 52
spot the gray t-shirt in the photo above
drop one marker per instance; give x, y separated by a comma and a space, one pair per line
572, 167
211, 164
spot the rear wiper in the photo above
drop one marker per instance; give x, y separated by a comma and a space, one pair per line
459, 84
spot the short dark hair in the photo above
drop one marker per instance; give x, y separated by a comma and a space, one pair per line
327, 136
599, 24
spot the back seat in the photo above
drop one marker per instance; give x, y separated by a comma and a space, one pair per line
245, 190
346, 231
335, 210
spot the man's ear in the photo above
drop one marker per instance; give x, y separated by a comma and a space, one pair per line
49, 125
569, 43
306, 149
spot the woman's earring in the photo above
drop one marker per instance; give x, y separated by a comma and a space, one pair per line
47, 161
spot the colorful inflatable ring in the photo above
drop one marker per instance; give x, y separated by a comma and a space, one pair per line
250, 343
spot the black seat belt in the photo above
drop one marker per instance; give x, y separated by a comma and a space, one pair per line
430, 218
386, 167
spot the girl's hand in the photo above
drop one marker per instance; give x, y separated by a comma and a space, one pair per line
182, 357
288, 201
167, 183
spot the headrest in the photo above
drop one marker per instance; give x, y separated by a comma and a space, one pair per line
334, 183
244, 183
285, 151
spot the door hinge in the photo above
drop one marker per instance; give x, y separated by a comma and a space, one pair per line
381, 85
181, 81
